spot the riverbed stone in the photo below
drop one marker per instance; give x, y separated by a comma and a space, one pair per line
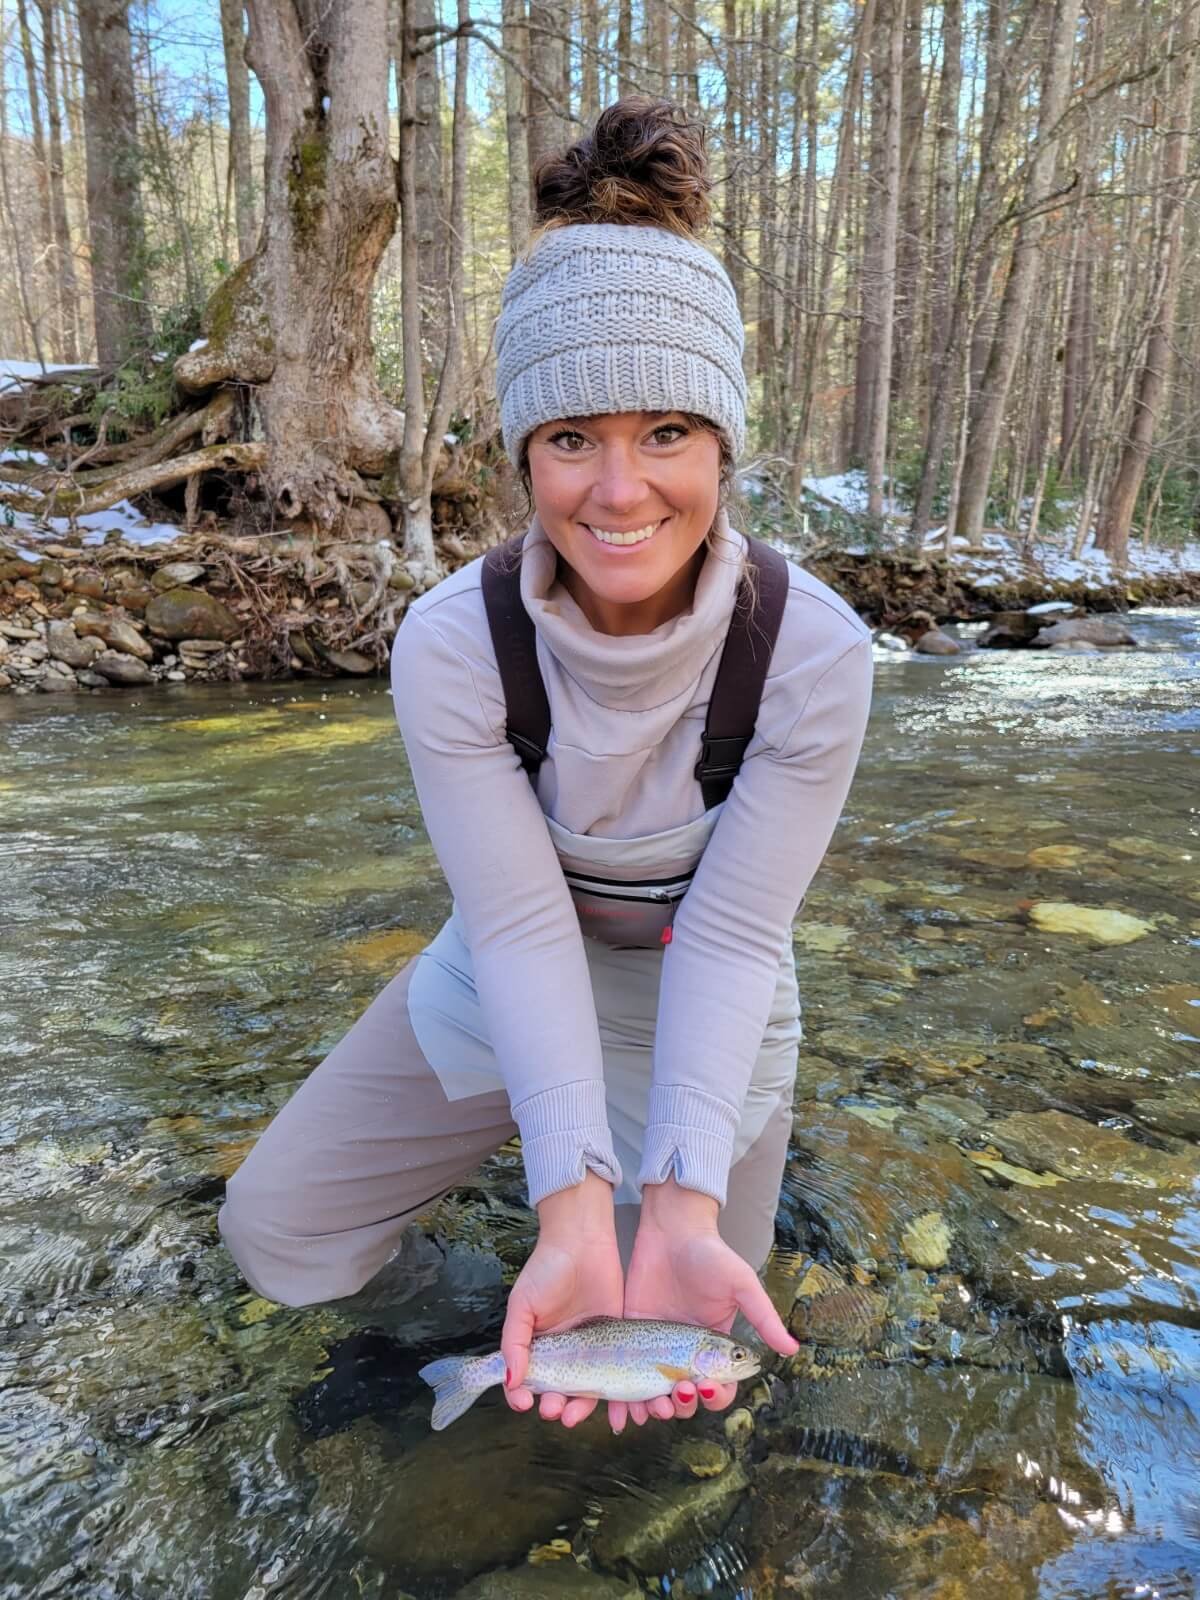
116, 667
182, 613
936, 643
57, 682
176, 573
1007, 630
65, 644
1103, 631
548, 1581
652, 1534
86, 581
1103, 924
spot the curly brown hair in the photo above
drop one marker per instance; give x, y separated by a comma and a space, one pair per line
643, 162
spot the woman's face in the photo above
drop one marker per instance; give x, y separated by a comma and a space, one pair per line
597, 480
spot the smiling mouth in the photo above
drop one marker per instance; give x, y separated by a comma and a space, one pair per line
625, 541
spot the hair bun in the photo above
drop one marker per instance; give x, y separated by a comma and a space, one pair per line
643, 162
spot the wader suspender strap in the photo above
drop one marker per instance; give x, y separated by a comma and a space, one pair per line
732, 708
733, 704
514, 639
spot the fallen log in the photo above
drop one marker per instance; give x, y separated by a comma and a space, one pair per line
70, 500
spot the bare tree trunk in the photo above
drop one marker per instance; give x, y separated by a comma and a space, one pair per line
516, 42
237, 78
867, 356
64, 257
1018, 288
688, 92
295, 320
547, 129
422, 440
1117, 516
814, 346
48, 310
732, 212
885, 298
115, 225
22, 273
430, 219
659, 52
997, 121
942, 274
625, 84
163, 180
913, 203
589, 98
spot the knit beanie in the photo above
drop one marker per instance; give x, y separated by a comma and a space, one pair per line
603, 317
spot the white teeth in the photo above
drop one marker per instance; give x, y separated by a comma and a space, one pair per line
638, 536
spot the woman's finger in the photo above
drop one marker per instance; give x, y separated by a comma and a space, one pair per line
551, 1406
576, 1409
637, 1412
520, 1399
716, 1396
760, 1313
684, 1399
516, 1339
662, 1407
618, 1415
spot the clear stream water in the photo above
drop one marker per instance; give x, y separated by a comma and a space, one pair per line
988, 1237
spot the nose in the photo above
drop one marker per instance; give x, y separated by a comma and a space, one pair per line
620, 485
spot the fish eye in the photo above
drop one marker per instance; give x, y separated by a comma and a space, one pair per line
738, 1353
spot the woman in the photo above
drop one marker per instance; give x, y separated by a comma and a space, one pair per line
616, 981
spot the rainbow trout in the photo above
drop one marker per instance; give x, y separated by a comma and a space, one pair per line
609, 1358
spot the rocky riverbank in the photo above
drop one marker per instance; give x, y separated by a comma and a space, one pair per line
122, 615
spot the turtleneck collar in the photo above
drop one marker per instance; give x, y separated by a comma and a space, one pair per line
632, 672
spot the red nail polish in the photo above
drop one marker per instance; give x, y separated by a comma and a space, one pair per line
508, 1377
686, 1395
707, 1392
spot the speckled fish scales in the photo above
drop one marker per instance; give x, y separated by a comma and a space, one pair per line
609, 1358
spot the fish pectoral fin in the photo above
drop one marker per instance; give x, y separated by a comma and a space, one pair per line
675, 1374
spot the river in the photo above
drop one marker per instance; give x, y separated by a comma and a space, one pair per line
988, 1236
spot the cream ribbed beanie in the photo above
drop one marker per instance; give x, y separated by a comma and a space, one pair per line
608, 316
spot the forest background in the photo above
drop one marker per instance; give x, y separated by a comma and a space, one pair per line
963, 234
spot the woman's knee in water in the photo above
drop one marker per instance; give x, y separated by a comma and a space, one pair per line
276, 1257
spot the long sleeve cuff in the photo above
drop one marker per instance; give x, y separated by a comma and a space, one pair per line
564, 1131
688, 1134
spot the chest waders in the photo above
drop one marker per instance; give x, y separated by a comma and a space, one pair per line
632, 914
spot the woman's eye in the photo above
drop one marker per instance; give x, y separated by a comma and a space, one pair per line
567, 433
670, 427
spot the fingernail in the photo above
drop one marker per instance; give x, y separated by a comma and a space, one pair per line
686, 1394
508, 1377
707, 1392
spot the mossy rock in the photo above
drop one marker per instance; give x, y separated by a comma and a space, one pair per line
183, 613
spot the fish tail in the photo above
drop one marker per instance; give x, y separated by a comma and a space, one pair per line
457, 1382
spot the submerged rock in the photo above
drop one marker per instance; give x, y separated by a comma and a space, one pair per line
936, 643
668, 1528
547, 1581
926, 1241
1100, 923
1102, 631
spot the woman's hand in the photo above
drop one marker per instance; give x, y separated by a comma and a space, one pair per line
683, 1271
573, 1273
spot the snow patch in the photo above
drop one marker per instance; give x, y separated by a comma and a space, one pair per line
197, 344
11, 372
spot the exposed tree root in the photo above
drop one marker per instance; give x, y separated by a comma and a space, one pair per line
67, 498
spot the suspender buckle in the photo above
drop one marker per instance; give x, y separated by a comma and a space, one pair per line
720, 758
531, 755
